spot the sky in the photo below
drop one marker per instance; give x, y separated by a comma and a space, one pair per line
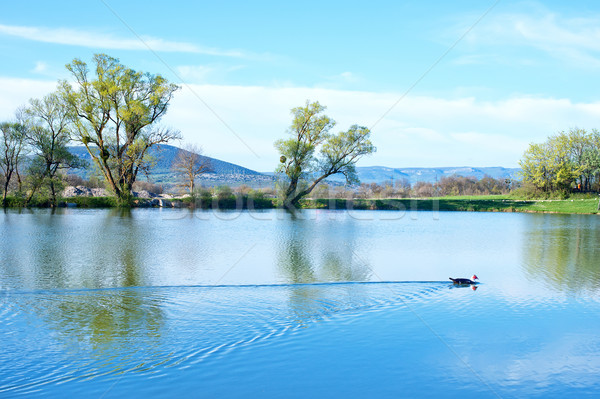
461, 83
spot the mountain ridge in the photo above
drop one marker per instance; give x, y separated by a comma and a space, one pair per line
223, 172
381, 174
378, 174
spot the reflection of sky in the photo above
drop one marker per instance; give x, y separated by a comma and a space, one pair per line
571, 359
411, 339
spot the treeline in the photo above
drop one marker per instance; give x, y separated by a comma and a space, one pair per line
446, 186
566, 162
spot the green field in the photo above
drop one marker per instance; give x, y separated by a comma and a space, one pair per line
462, 204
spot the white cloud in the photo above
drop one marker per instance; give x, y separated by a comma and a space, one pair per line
419, 131
430, 135
491, 142
17, 92
572, 40
104, 40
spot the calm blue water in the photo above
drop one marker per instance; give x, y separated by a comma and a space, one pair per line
164, 303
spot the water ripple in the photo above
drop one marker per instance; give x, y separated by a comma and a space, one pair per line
99, 338
113, 332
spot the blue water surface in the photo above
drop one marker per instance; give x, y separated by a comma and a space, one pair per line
322, 304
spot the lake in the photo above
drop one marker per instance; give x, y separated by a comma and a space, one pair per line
166, 303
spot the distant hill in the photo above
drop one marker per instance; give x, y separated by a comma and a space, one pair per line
379, 174
220, 172
166, 154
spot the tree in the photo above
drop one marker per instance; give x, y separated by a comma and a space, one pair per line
12, 145
338, 153
190, 164
564, 160
115, 114
48, 135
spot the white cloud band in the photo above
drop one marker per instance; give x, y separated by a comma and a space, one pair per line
73, 37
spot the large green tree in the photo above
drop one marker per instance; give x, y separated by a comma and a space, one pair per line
565, 160
312, 153
116, 113
48, 134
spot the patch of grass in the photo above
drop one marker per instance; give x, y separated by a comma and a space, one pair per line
477, 197
564, 206
91, 202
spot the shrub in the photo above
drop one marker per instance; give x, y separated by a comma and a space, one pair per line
148, 186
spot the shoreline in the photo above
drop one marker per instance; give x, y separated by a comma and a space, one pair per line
443, 204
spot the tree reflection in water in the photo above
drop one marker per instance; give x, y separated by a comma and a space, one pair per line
303, 257
90, 318
563, 251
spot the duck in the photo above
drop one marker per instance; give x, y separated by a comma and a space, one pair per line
464, 281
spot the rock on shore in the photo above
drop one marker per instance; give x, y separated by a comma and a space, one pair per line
82, 191
142, 197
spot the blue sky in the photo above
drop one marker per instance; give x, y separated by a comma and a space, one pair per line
440, 83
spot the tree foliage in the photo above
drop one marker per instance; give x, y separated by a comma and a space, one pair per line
48, 134
312, 153
115, 115
565, 161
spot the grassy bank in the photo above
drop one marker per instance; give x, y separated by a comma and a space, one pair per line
80, 202
461, 204
456, 204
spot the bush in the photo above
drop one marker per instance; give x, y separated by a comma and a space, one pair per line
148, 186
529, 191
75, 180
200, 198
224, 193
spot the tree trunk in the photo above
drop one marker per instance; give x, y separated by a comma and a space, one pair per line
6, 183
4, 194
125, 197
292, 202
52, 193
33, 190
293, 196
